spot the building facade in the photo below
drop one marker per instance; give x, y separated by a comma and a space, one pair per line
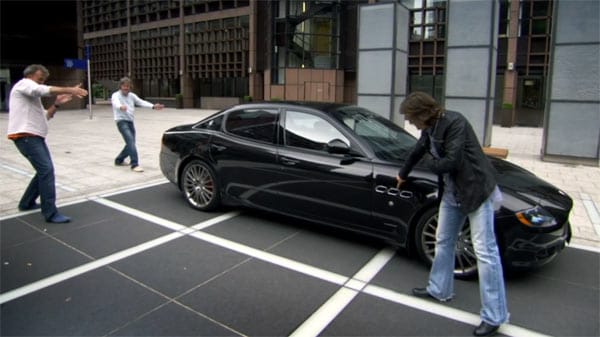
215, 52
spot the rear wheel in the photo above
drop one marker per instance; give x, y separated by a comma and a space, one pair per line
465, 263
199, 186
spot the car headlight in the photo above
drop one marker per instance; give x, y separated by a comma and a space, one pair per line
536, 217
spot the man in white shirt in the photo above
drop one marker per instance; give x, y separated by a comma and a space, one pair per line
124, 103
28, 127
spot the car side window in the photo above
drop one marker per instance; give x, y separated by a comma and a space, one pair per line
213, 124
255, 124
309, 131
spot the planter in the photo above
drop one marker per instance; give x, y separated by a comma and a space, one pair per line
179, 101
507, 115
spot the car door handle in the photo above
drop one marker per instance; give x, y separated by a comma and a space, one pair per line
289, 161
218, 148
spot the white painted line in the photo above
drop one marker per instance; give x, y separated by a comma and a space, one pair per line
54, 279
272, 258
321, 318
592, 211
445, 311
30, 175
582, 247
16, 170
93, 197
153, 183
373, 267
142, 215
215, 220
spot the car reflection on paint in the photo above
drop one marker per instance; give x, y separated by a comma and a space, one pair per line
336, 164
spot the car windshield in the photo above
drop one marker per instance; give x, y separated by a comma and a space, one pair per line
388, 140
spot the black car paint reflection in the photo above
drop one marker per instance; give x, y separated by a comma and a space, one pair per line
336, 164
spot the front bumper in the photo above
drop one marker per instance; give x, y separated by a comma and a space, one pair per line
524, 250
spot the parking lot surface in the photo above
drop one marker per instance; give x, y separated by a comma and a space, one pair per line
141, 262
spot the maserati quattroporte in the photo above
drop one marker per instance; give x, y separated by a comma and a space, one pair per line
336, 164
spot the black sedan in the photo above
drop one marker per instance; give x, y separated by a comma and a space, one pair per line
336, 164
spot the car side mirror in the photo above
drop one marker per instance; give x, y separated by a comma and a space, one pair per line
338, 147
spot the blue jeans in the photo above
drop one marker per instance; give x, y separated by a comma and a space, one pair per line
491, 280
127, 130
42, 183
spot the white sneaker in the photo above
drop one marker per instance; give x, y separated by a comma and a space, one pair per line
137, 169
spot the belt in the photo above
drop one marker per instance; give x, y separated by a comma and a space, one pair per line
18, 135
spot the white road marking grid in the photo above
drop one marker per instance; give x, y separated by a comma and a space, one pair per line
350, 287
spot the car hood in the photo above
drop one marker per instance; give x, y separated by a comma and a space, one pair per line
528, 188
185, 127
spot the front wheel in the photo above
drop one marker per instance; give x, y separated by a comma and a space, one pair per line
199, 186
465, 262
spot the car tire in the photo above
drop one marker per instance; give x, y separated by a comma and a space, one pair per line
200, 187
465, 265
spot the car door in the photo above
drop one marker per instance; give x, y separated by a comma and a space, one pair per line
246, 155
319, 185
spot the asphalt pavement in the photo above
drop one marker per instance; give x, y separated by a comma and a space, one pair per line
85, 142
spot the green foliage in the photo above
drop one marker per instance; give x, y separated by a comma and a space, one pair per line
98, 91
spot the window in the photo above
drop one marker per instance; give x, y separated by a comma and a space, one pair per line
306, 34
309, 131
255, 124
212, 124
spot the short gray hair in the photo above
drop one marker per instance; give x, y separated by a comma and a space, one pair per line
34, 68
124, 80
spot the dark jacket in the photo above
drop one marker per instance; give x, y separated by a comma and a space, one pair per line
461, 156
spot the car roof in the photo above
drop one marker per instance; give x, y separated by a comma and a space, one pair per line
323, 106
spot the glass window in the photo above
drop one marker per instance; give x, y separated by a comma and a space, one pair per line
388, 140
541, 8
416, 33
429, 32
212, 124
538, 27
429, 16
255, 124
315, 39
417, 18
308, 131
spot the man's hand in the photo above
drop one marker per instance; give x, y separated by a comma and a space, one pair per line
79, 91
62, 98
158, 106
400, 182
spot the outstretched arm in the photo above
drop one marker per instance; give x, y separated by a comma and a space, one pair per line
64, 97
76, 90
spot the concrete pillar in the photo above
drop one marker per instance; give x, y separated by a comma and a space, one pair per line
254, 82
509, 101
572, 109
382, 58
471, 51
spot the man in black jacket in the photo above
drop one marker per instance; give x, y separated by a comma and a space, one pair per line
467, 190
